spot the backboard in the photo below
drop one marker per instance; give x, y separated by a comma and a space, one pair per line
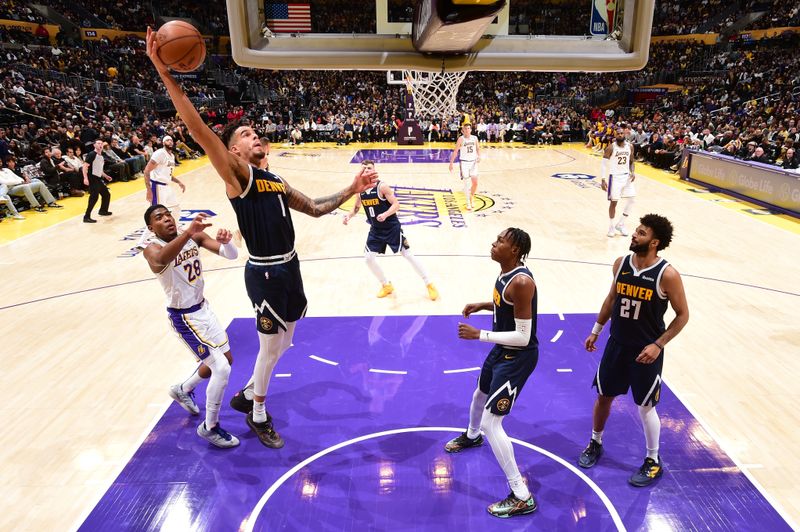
527, 35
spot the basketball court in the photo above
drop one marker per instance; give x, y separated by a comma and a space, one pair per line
372, 388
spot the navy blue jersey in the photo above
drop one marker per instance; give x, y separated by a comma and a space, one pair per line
264, 216
503, 319
637, 318
374, 204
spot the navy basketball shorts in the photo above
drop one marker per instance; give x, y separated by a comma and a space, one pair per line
393, 238
276, 292
618, 371
503, 375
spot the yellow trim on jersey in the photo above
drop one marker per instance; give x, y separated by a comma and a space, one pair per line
197, 334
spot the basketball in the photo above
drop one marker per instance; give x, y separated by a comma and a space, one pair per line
180, 46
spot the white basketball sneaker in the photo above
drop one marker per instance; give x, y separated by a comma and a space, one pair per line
217, 436
621, 228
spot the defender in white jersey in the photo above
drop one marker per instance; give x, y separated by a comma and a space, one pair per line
617, 166
157, 179
469, 155
175, 259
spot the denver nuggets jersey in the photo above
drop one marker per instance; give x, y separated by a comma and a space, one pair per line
469, 149
374, 204
620, 158
637, 318
265, 220
182, 279
503, 318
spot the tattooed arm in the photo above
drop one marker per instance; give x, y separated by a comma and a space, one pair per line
298, 201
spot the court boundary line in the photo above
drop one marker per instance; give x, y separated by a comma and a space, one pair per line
756, 484
361, 257
147, 431
254, 514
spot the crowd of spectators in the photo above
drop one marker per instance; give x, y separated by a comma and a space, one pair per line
21, 11
779, 14
740, 99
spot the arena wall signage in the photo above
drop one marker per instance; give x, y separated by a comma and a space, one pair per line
763, 184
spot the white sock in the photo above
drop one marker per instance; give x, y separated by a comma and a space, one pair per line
191, 383
375, 268
415, 263
597, 436
611, 223
476, 408
652, 429
259, 412
220, 371
503, 450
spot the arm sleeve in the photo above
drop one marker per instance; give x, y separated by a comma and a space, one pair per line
228, 251
516, 338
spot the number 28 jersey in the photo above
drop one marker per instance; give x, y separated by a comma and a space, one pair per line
182, 279
637, 318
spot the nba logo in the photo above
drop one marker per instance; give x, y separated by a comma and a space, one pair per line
603, 16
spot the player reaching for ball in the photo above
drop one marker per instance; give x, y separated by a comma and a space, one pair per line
180, 46
262, 202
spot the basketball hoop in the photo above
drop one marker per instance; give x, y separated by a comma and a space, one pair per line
434, 92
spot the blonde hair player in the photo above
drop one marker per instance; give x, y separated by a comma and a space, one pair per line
469, 155
381, 205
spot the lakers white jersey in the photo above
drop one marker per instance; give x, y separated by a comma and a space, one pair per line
469, 148
621, 158
166, 164
182, 279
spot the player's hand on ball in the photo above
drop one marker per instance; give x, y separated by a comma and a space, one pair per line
468, 332
224, 236
152, 51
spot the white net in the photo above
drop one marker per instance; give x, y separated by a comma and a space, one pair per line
434, 92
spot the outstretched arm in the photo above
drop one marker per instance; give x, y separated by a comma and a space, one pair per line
221, 245
232, 169
298, 201
158, 257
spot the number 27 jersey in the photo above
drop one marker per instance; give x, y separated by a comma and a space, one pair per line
637, 318
182, 279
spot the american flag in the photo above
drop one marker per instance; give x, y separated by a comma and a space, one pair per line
288, 18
